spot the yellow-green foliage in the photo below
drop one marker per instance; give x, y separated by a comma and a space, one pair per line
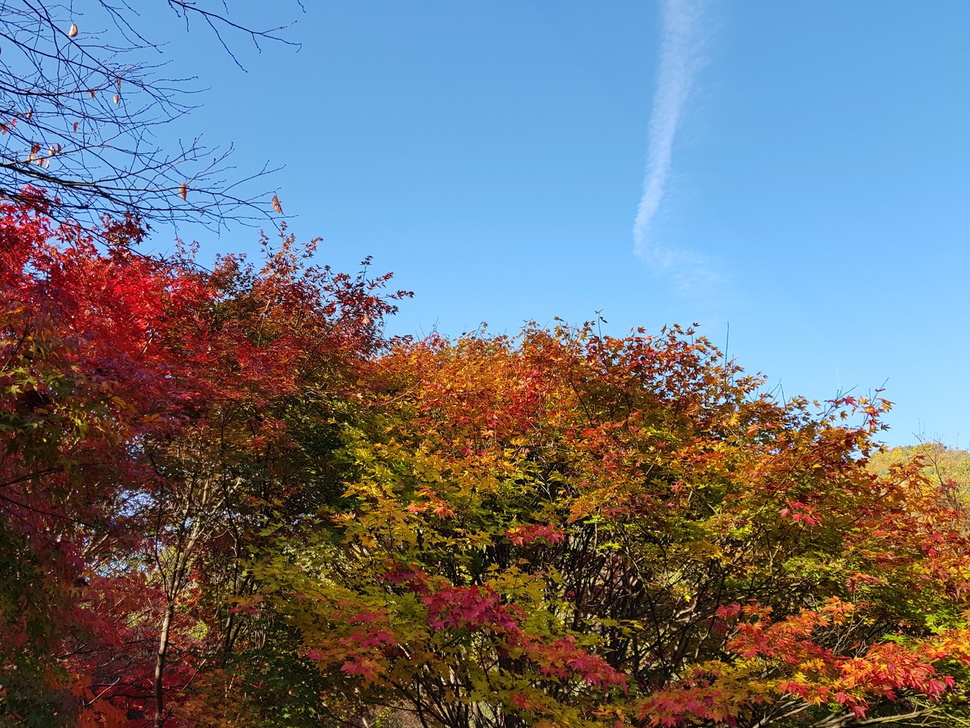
942, 464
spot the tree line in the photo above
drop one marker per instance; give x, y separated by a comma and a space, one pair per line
227, 498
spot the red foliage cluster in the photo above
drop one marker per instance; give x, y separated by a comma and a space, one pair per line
135, 393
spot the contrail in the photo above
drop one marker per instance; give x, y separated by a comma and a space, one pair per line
680, 60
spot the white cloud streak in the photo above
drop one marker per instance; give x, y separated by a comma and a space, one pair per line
681, 58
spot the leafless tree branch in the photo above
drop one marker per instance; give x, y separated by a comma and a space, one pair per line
80, 106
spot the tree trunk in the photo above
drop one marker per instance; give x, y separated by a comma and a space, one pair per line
160, 664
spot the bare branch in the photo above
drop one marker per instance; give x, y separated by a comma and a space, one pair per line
80, 106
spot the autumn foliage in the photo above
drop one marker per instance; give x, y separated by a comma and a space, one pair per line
227, 499
157, 418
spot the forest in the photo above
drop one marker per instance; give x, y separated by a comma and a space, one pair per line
227, 498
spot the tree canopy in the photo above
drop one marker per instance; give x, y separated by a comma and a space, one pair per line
226, 498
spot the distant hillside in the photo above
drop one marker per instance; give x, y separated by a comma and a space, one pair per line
942, 463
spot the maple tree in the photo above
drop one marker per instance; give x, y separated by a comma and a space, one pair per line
571, 529
155, 416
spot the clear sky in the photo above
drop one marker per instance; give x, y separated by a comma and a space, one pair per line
799, 172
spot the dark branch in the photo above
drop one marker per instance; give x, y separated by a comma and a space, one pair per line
79, 107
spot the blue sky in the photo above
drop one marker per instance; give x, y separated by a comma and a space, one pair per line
493, 155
